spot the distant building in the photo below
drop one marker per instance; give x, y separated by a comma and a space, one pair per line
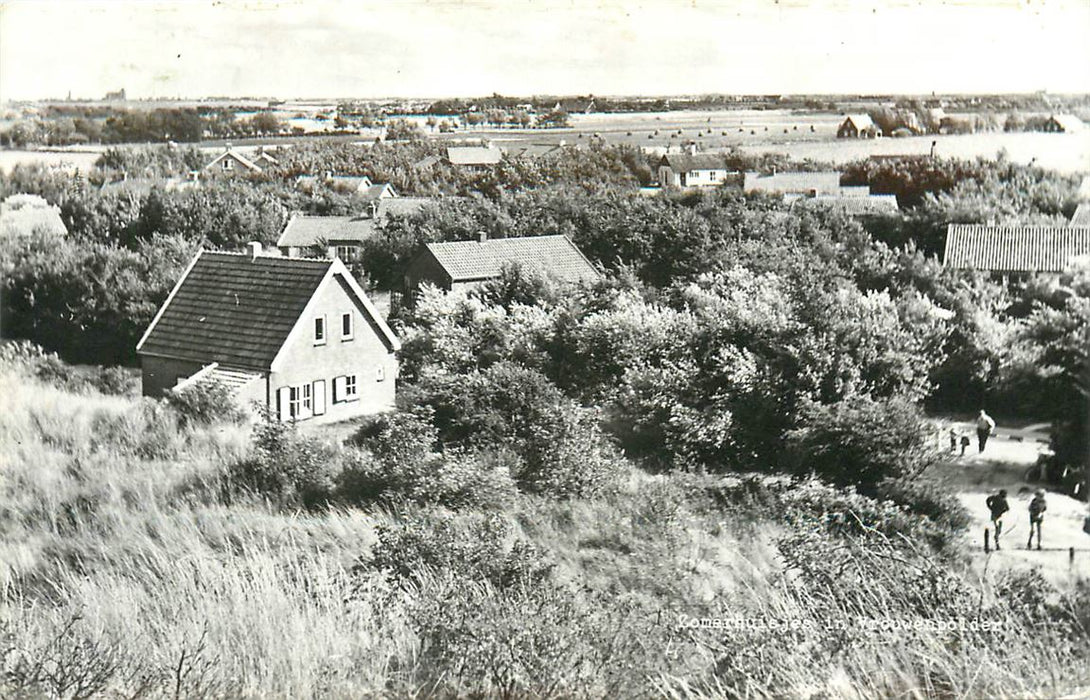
826, 182
27, 214
346, 184
463, 264
263, 158
857, 126
1014, 250
694, 169
232, 163
341, 236
1081, 217
298, 338
118, 96
1064, 124
474, 157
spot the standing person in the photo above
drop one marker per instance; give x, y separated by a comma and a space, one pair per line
984, 427
953, 440
1037, 508
997, 505
964, 444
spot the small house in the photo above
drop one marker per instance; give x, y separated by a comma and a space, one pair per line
232, 162
857, 126
692, 169
1064, 124
264, 159
298, 338
342, 236
1014, 250
345, 184
463, 264
1081, 217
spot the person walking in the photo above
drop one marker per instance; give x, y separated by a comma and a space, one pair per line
984, 427
998, 506
1037, 508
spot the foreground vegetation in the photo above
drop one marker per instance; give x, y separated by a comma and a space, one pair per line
136, 563
730, 424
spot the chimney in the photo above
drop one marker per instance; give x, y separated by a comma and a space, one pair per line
692, 149
255, 250
482, 237
227, 146
933, 144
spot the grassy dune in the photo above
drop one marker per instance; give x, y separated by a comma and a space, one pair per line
128, 567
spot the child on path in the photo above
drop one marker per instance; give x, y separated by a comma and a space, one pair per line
1037, 508
997, 505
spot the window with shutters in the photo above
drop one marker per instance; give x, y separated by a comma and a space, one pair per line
319, 330
293, 402
346, 326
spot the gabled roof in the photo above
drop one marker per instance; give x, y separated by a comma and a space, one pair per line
239, 310
382, 190
687, 162
860, 121
555, 256
236, 156
263, 156
873, 205
1068, 122
1081, 217
24, 214
426, 162
827, 182
346, 183
303, 231
1014, 248
474, 155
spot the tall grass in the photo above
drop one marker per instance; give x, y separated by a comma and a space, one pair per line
128, 570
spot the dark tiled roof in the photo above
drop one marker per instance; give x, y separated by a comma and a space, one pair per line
304, 231
1014, 248
1081, 217
234, 310
687, 162
556, 256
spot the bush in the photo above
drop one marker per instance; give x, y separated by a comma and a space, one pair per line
480, 549
205, 403
560, 449
860, 440
287, 467
925, 497
400, 464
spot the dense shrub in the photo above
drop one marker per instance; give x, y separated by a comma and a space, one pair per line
288, 468
205, 403
401, 464
861, 440
476, 548
927, 497
560, 449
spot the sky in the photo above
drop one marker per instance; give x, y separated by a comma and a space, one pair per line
443, 48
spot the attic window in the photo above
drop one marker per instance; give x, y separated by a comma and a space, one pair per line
319, 330
346, 326
228, 164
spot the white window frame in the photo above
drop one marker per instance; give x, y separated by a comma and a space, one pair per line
228, 163
325, 330
294, 403
351, 388
307, 402
351, 325
345, 252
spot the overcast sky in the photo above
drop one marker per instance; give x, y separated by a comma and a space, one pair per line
418, 48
